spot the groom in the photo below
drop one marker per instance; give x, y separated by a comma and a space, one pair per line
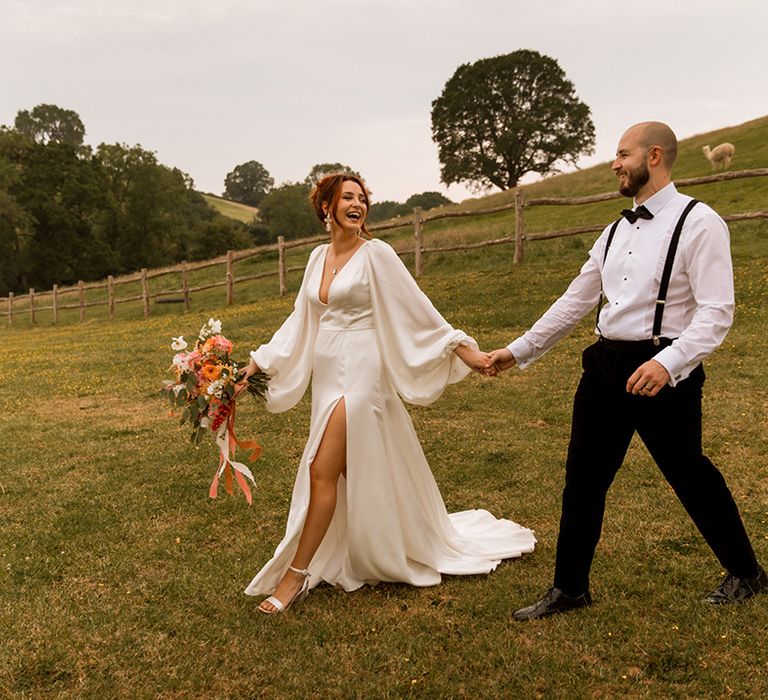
665, 270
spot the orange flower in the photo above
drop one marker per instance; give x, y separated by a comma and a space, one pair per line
218, 344
210, 372
208, 345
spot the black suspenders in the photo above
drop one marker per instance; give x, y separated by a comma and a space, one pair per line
605, 255
665, 275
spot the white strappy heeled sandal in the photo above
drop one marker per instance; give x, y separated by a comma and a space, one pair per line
297, 597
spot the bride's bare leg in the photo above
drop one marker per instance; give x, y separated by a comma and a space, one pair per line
330, 461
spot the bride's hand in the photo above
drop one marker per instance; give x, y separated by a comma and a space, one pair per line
476, 360
242, 383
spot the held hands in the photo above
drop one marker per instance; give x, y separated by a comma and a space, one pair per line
476, 360
648, 379
502, 359
487, 363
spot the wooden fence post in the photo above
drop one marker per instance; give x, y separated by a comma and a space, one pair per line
145, 291
32, 303
281, 264
81, 299
185, 285
230, 277
417, 225
111, 297
55, 303
10, 308
519, 225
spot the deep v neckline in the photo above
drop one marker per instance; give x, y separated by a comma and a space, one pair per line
336, 276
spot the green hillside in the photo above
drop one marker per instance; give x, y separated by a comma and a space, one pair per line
234, 210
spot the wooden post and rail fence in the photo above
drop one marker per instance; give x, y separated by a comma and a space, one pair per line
418, 221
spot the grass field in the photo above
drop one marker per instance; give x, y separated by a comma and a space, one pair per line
120, 578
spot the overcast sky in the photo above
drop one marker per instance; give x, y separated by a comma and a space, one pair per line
291, 83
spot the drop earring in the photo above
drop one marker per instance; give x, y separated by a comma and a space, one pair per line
328, 220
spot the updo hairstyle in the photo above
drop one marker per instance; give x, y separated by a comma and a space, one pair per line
328, 189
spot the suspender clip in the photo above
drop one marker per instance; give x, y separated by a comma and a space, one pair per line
661, 301
656, 340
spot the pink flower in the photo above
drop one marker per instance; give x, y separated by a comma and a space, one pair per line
222, 343
217, 344
193, 358
181, 362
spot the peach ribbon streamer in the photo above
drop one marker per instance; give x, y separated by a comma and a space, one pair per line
227, 442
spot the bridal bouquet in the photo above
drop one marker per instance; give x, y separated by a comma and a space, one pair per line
205, 389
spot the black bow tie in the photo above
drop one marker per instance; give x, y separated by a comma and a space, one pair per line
640, 213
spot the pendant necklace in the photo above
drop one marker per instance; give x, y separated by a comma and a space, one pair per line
334, 270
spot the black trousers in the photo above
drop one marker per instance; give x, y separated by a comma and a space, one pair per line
605, 417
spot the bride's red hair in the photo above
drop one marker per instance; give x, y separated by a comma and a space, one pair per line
328, 190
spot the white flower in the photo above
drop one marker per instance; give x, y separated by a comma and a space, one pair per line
205, 422
180, 361
179, 344
214, 388
213, 327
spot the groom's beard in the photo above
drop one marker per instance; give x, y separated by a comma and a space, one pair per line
636, 180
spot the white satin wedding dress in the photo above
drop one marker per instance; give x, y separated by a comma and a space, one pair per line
378, 336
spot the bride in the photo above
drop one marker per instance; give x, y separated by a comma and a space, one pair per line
365, 505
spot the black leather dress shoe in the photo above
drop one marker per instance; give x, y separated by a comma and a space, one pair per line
554, 601
734, 589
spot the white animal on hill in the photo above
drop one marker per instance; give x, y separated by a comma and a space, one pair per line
720, 156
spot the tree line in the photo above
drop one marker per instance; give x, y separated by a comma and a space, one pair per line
70, 212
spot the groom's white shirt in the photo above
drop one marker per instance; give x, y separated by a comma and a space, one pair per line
699, 308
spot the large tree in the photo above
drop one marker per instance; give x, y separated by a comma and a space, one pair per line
65, 195
154, 216
15, 221
320, 170
248, 183
144, 221
51, 124
286, 211
500, 118
388, 209
380, 211
426, 200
